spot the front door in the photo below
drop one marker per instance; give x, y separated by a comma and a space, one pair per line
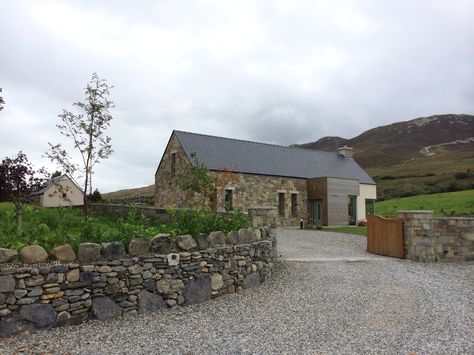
352, 210
316, 212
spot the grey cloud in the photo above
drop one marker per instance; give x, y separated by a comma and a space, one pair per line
280, 72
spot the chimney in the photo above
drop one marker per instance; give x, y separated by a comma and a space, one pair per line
345, 151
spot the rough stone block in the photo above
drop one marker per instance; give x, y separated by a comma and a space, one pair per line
246, 236
232, 238
113, 250
8, 255
216, 238
197, 290
88, 252
105, 308
202, 241
63, 253
139, 246
33, 254
216, 282
162, 244
186, 242
7, 283
149, 302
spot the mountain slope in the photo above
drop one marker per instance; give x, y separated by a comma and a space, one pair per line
423, 155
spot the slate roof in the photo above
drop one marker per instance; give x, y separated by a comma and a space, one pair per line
51, 182
268, 159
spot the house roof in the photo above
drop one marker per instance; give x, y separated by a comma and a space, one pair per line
268, 159
53, 181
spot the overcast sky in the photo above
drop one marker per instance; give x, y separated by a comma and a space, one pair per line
272, 71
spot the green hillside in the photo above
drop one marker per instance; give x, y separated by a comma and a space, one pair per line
459, 203
422, 156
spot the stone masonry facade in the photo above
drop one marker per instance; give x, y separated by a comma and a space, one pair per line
432, 239
105, 283
248, 190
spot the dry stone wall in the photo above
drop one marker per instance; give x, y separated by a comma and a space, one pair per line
431, 239
105, 283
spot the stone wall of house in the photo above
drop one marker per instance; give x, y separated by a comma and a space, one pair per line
431, 239
260, 190
248, 190
167, 191
103, 282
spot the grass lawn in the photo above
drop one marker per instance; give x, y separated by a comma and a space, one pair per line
459, 203
347, 230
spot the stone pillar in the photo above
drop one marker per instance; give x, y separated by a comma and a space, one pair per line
263, 216
418, 235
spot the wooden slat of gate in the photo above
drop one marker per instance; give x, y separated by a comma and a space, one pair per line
385, 236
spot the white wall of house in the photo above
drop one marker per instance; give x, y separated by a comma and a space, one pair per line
366, 192
67, 194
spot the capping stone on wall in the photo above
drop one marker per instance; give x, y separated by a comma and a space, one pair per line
37, 297
432, 239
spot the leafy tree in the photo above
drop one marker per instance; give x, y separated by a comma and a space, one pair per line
95, 196
87, 130
2, 101
57, 173
209, 186
18, 180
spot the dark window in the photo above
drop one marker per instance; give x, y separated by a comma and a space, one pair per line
294, 205
173, 164
369, 206
281, 204
228, 200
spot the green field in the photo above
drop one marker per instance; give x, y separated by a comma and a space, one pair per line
347, 230
459, 203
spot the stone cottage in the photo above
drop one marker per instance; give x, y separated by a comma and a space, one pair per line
323, 188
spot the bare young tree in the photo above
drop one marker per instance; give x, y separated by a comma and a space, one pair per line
87, 131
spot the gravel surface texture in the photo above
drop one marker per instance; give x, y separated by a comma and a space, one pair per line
334, 306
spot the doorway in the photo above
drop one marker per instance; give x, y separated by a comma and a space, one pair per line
352, 210
316, 212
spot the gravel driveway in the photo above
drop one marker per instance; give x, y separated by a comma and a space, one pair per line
328, 297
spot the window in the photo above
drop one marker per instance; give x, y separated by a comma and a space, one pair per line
369, 206
228, 200
281, 204
294, 205
173, 164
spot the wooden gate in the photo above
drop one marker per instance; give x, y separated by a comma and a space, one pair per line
385, 236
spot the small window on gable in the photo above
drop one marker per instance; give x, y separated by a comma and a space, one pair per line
173, 164
294, 205
281, 204
228, 203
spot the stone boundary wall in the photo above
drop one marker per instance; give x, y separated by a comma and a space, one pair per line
432, 239
178, 271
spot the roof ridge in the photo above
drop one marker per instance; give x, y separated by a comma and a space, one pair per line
249, 141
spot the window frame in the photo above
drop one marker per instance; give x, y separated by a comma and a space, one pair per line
173, 164
230, 203
294, 205
281, 204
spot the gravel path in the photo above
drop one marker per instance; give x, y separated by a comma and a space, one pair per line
346, 304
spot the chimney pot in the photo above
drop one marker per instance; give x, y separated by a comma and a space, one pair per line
345, 151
